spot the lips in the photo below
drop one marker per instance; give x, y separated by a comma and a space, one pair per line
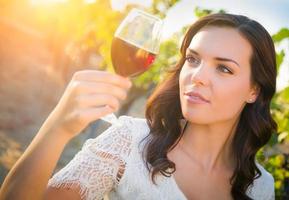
195, 97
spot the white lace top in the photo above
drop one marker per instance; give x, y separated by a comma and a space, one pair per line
112, 164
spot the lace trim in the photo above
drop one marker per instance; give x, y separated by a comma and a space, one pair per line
99, 166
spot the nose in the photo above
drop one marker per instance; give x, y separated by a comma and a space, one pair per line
200, 75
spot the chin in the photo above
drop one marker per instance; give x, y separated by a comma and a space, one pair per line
196, 118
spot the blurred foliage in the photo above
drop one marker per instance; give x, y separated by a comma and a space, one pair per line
201, 12
281, 35
160, 7
78, 29
84, 26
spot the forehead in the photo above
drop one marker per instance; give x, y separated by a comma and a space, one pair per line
221, 42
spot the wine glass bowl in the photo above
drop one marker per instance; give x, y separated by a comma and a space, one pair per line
134, 47
136, 43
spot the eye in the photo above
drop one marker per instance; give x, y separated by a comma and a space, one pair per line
224, 69
192, 60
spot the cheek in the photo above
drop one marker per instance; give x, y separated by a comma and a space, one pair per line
193, 113
227, 101
230, 98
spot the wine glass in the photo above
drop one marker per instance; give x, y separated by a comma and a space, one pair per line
134, 47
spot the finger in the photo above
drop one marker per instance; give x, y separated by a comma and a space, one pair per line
92, 114
97, 100
102, 76
99, 88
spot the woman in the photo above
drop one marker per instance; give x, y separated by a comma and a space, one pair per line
203, 127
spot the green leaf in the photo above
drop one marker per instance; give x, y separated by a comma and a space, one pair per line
284, 94
282, 136
199, 12
161, 7
279, 58
281, 35
273, 140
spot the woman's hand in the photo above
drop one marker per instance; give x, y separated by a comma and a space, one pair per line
89, 96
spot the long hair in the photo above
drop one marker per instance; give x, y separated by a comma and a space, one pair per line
255, 126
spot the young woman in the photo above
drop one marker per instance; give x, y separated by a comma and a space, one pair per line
203, 127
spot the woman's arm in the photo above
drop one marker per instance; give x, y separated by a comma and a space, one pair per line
83, 101
28, 178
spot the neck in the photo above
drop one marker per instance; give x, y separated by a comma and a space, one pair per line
210, 146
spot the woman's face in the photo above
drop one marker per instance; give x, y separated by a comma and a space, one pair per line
215, 78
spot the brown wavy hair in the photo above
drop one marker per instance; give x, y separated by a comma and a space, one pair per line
255, 126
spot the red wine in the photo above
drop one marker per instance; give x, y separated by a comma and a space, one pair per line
130, 60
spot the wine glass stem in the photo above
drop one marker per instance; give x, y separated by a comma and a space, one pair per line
111, 118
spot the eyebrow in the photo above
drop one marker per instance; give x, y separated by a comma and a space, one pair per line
216, 58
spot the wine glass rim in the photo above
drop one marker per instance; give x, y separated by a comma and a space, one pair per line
147, 14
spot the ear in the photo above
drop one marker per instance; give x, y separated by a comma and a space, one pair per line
253, 94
